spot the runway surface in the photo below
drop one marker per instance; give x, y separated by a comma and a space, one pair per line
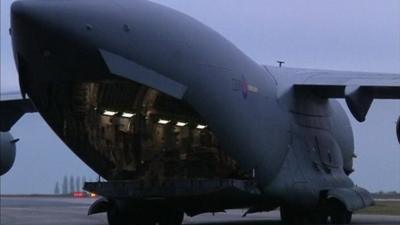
70, 211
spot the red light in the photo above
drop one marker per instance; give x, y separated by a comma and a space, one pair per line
79, 194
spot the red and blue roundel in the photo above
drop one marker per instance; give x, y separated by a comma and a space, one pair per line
245, 88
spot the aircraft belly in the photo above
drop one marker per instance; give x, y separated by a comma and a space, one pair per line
209, 195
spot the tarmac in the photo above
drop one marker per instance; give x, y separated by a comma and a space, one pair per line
73, 211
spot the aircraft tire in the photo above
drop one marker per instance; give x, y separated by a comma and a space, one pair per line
171, 217
286, 217
116, 216
341, 217
317, 217
289, 215
339, 214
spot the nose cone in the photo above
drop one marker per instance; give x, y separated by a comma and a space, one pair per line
28, 27
27, 15
37, 24
42, 19
24, 9
51, 41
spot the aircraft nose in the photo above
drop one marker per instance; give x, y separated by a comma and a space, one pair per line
51, 37
27, 15
29, 28
24, 9
20, 8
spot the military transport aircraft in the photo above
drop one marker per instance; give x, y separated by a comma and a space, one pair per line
178, 120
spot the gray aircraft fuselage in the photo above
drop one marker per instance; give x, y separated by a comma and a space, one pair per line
78, 60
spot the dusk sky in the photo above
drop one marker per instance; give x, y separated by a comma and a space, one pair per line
358, 35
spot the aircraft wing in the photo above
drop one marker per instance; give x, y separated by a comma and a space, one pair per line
359, 89
12, 108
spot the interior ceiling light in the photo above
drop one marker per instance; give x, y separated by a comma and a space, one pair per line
181, 124
201, 127
109, 113
161, 121
128, 115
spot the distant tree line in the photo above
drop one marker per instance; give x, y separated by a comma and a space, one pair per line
69, 185
386, 195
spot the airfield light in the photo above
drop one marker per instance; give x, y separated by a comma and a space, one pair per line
201, 127
181, 124
128, 115
109, 113
164, 122
78, 194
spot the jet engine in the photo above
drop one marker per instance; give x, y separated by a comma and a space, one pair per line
398, 129
11, 110
7, 152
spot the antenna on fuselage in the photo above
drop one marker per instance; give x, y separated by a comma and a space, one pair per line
280, 63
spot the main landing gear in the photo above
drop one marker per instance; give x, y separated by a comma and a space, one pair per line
336, 213
116, 215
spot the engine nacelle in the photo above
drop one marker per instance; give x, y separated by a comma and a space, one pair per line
7, 152
398, 129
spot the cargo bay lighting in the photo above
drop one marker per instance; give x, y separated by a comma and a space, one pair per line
128, 115
109, 113
181, 124
164, 122
201, 127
